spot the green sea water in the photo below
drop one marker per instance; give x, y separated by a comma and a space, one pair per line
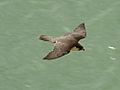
21, 52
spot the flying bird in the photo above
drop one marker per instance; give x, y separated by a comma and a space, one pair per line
64, 44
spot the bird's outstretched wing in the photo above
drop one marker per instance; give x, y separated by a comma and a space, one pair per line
80, 27
59, 50
81, 30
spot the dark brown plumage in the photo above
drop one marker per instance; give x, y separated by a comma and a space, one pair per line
64, 44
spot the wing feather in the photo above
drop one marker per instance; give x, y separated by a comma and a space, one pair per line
80, 27
58, 51
81, 30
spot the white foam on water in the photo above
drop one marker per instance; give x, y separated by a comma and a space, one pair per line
111, 47
112, 58
28, 86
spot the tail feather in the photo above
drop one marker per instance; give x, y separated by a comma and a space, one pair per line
44, 38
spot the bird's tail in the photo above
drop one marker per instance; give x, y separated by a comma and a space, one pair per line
45, 38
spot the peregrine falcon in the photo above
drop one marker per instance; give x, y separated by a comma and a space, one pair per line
64, 44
